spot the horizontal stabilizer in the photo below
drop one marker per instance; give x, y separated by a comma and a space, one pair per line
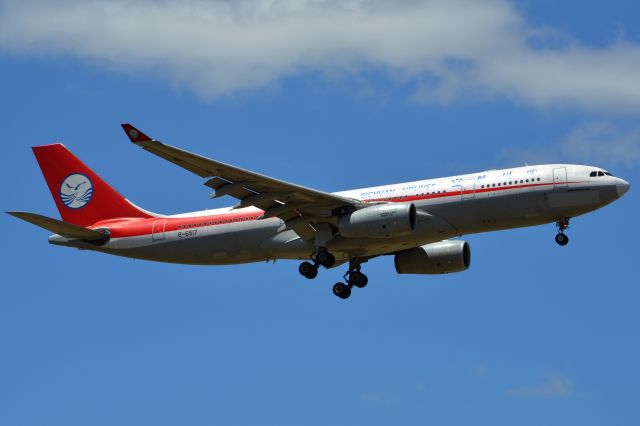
59, 227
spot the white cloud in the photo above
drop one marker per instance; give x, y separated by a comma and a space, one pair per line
604, 142
598, 142
554, 387
449, 49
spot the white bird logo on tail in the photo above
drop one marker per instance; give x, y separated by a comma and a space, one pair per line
76, 191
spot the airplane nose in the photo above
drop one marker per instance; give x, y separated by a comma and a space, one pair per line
622, 186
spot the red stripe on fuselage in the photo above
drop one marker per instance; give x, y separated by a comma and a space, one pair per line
442, 194
134, 227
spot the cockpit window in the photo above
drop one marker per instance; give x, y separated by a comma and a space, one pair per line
599, 173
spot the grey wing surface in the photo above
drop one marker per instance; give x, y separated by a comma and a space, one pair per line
301, 208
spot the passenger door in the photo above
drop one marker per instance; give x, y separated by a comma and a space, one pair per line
157, 231
468, 189
560, 177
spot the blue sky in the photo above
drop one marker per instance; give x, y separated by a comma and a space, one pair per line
332, 95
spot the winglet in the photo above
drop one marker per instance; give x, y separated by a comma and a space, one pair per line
135, 135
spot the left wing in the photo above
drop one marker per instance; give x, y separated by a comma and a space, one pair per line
300, 207
67, 230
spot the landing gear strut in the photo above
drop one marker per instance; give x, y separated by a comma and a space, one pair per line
561, 238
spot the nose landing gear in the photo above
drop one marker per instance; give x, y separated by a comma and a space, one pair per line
561, 238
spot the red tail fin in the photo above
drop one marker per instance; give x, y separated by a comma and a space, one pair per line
81, 196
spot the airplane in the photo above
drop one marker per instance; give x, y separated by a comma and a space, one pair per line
273, 219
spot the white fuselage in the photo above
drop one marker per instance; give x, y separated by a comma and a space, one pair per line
448, 207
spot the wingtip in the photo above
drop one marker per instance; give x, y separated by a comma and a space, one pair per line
134, 134
19, 215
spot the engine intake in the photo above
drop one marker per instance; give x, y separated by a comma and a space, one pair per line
386, 220
436, 258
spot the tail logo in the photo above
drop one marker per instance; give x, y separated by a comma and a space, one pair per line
76, 191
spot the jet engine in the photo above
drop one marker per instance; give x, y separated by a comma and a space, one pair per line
436, 258
386, 220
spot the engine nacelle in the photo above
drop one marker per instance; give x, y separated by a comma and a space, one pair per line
386, 220
436, 258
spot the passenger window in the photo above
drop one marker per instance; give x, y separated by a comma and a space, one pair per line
538, 179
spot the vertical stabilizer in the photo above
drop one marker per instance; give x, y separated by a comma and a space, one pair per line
81, 196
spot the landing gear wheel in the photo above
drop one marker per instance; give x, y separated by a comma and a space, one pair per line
325, 258
358, 279
562, 239
308, 270
342, 290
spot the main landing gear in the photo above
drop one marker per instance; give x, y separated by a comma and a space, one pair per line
561, 238
322, 258
353, 277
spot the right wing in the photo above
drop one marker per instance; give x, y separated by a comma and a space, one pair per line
300, 207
